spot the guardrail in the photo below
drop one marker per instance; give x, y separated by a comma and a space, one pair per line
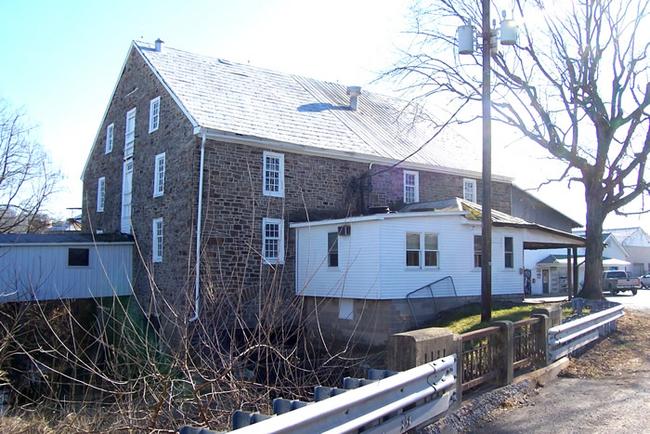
568, 337
395, 404
479, 358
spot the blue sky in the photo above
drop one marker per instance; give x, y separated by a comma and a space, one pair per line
62, 59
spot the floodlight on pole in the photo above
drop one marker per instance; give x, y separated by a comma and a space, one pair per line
507, 36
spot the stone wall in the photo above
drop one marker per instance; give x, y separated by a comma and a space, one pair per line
174, 137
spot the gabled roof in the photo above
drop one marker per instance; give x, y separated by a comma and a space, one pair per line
256, 103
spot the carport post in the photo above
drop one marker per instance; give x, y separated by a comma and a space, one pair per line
575, 271
569, 280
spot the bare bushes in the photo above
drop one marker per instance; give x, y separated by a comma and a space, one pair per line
104, 365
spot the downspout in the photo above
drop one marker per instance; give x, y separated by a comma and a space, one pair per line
199, 209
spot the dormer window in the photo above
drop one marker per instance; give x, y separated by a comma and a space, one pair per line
154, 114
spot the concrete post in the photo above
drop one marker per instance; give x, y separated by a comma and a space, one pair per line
554, 312
506, 353
410, 349
541, 337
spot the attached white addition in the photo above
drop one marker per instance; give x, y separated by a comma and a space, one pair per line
273, 174
154, 114
159, 175
469, 189
129, 133
158, 242
127, 187
101, 193
411, 186
110, 130
387, 256
273, 241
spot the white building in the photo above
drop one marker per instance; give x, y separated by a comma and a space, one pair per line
369, 266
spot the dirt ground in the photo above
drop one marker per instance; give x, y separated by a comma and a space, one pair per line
604, 390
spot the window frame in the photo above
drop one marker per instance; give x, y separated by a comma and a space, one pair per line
280, 238
158, 243
473, 183
110, 138
87, 255
425, 250
478, 254
101, 193
511, 253
129, 136
407, 250
416, 185
154, 114
158, 176
333, 250
280, 157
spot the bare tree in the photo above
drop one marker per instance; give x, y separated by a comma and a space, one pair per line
576, 84
26, 178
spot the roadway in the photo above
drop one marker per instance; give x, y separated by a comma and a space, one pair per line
616, 403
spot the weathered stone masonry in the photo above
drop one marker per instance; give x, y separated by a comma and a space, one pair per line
315, 188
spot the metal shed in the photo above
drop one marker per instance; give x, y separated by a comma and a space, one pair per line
70, 265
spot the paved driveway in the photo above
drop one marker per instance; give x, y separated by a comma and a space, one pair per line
640, 301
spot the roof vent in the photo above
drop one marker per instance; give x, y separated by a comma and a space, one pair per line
159, 42
354, 92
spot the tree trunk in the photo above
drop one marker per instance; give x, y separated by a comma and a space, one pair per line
593, 284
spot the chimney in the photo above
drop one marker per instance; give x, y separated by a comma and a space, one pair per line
354, 92
158, 45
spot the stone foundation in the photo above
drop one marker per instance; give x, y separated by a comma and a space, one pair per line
375, 320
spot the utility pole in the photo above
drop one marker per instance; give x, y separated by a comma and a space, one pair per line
486, 218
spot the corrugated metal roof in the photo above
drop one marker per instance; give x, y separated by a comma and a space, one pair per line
71, 237
257, 102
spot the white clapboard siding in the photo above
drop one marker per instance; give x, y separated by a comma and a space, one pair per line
456, 257
357, 275
372, 261
41, 272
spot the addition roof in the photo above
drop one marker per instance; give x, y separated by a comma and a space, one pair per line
69, 237
259, 104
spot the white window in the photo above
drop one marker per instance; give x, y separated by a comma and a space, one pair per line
508, 253
413, 250
478, 251
109, 137
101, 193
333, 249
421, 250
273, 240
157, 246
273, 174
129, 133
411, 186
469, 189
346, 308
159, 175
154, 114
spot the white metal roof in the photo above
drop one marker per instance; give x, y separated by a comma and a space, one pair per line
254, 102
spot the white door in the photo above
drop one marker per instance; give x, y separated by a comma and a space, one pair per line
127, 187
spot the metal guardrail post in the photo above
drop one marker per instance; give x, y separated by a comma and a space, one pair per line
505, 342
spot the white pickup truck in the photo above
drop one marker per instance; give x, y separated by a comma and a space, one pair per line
616, 281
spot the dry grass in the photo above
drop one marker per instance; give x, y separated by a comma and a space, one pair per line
625, 353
